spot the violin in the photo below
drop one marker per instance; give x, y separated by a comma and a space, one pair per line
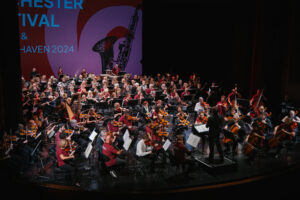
70, 148
69, 131
131, 118
163, 122
162, 133
116, 123
83, 116
154, 125
162, 112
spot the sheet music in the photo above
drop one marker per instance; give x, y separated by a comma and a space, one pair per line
127, 143
193, 140
201, 128
93, 135
88, 150
166, 144
51, 134
126, 135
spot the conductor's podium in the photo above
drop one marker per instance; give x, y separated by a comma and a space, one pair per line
216, 166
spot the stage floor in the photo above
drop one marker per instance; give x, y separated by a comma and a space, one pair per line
165, 178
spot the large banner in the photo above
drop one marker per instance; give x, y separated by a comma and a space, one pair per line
80, 34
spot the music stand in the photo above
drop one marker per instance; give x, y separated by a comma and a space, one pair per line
133, 102
102, 105
187, 98
117, 100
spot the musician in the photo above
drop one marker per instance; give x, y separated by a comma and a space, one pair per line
233, 127
116, 70
215, 124
254, 142
111, 152
233, 96
126, 99
118, 110
127, 120
292, 116
185, 92
199, 107
180, 156
62, 156
287, 130
34, 73
201, 120
144, 155
145, 111
222, 106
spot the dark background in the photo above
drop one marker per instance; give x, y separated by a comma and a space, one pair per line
253, 43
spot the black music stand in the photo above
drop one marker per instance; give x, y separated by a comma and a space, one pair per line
116, 100
188, 98
102, 105
133, 102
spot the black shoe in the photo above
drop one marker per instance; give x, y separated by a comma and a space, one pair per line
113, 174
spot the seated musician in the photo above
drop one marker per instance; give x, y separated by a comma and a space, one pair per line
200, 120
126, 99
285, 133
111, 152
118, 110
180, 155
292, 115
127, 120
145, 155
254, 142
185, 92
92, 119
232, 141
199, 106
145, 111
62, 156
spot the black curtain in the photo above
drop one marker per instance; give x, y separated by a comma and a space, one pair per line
10, 84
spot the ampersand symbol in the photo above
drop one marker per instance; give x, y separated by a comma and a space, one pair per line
23, 36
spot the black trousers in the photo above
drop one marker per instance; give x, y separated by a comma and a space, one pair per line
70, 169
214, 140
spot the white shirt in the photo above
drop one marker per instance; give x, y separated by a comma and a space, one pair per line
198, 107
141, 149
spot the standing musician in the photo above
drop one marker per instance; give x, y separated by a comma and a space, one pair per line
223, 106
111, 153
232, 97
215, 123
62, 158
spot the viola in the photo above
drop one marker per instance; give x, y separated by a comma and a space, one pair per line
162, 133
163, 122
162, 112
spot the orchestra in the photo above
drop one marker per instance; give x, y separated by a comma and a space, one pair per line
66, 112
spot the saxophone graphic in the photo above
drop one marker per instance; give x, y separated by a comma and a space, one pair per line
105, 46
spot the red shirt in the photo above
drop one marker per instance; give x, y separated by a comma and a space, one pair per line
180, 150
110, 152
59, 151
112, 128
125, 121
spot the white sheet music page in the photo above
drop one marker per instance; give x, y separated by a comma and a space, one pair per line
201, 128
166, 144
127, 143
93, 135
88, 150
193, 140
126, 135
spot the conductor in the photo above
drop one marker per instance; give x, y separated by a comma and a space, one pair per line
215, 124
